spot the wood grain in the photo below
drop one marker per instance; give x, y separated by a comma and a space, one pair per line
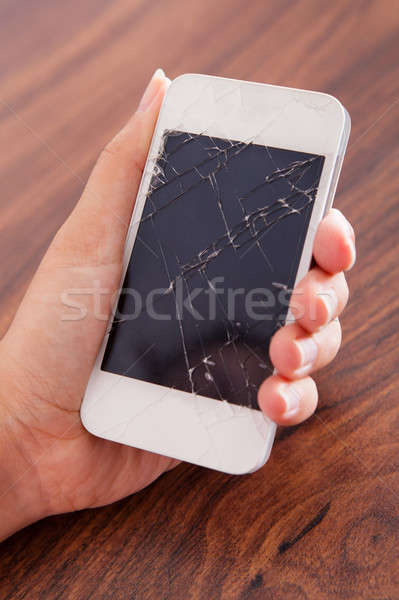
321, 519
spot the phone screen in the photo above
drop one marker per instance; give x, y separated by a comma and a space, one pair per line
213, 265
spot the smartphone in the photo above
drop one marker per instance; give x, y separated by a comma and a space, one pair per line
237, 179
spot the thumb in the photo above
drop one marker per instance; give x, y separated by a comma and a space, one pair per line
88, 248
96, 228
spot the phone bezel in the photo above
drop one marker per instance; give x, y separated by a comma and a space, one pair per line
188, 427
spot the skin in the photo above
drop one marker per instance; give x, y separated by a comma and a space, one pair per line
48, 462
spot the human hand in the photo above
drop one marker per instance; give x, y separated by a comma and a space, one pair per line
48, 462
313, 340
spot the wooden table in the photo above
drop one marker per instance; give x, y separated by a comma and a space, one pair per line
321, 519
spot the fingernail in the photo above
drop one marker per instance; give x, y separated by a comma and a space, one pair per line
151, 90
350, 230
351, 242
308, 351
353, 256
292, 400
330, 301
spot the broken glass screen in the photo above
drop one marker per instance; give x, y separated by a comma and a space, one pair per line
216, 255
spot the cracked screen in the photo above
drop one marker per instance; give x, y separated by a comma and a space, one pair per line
211, 271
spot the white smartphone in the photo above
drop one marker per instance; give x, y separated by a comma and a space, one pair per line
237, 179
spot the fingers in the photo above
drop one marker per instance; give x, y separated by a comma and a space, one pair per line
97, 227
295, 353
334, 246
286, 402
319, 298
300, 348
290, 396
323, 293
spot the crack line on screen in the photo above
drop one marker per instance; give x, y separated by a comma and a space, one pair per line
241, 237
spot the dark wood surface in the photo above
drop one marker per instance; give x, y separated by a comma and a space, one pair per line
321, 519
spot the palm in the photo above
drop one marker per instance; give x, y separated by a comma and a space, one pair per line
79, 469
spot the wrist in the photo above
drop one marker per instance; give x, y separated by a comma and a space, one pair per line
21, 497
